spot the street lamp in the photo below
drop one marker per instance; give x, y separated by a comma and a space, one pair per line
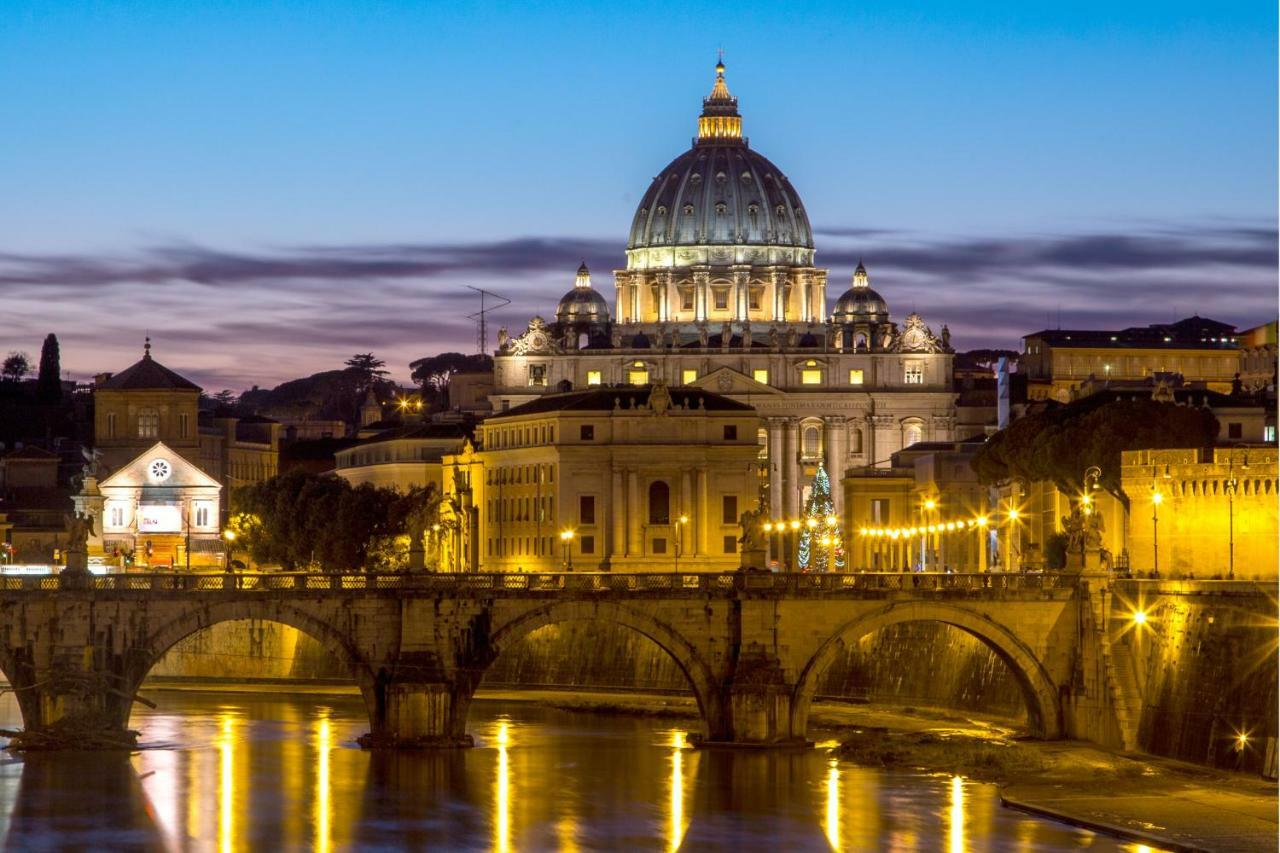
928, 506
1156, 499
229, 536
679, 549
566, 536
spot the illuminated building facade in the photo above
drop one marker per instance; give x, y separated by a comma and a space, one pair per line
720, 293
641, 476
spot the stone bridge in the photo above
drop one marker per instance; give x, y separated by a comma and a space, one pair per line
752, 646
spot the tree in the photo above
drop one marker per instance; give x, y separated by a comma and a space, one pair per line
821, 548
16, 366
49, 377
434, 372
367, 370
1060, 444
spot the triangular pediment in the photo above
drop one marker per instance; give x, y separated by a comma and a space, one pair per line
143, 471
726, 380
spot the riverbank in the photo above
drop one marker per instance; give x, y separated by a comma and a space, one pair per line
1159, 802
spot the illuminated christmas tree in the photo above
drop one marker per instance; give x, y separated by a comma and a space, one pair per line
821, 546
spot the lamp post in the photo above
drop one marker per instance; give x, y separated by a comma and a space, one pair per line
229, 536
768, 543
1008, 539
566, 536
1156, 499
679, 549
926, 508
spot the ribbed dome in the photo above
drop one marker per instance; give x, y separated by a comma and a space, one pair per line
582, 304
720, 191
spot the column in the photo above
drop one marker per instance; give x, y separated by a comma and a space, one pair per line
635, 515
820, 295
620, 300
833, 427
778, 281
703, 518
701, 283
776, 466
664, 296
618, 517
791, 471
741, 286
686, 508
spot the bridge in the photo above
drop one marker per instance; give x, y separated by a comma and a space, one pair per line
753, 647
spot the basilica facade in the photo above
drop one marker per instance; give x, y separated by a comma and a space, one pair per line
721, 292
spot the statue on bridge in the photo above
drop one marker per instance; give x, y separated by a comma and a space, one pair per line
79, 529
752, 543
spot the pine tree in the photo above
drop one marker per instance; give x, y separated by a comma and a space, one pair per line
821, 546
49, 378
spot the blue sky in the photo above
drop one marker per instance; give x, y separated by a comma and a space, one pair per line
269, 187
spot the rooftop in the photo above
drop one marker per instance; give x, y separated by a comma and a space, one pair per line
625, 397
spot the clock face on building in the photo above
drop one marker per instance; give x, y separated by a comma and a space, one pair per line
159, 470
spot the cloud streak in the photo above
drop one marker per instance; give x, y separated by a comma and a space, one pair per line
234, 318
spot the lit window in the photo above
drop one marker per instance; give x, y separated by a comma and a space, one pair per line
688, 377
593, 377
811, 443
912, 435
721, 298
148, 424
537, 374
1269, 433
686, 300
638, 376
117, 516
811, 376
202, 516
855, 377
760, 375
914, 375
755, 300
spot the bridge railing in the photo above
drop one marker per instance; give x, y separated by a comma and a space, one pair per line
693, 583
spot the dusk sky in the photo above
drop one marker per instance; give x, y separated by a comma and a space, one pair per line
267, 188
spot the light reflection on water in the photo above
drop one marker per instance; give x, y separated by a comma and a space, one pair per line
232, 772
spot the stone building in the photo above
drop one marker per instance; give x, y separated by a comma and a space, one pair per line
403, 458
1216, 511
720, 292
1057, 361
645, 478
1258, 358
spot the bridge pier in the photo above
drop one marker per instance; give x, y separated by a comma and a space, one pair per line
407, 712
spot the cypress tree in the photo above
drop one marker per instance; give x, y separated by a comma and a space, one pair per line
49, 379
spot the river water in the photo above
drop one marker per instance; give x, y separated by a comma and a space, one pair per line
226, 771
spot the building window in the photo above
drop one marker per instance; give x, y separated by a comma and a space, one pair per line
1235, 430
587, 432
182, 425
760, 375
111, 425
754, 299
117, 516
659, 546
202, 516
811, 376
659, 503
731, 544
638, 376
538, 374
721, 297
688, 377
587, 544
148, 423
729, 509
912, 434
593, 377
855, 377
1269, 433
855, 441
686, 300
586, 509
914, 374
762, 441
811, 442
731, 432
879, 511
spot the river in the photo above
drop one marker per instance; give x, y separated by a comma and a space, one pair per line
227, 771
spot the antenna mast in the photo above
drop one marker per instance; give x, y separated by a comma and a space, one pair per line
482, 325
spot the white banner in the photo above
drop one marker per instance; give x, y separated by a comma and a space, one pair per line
159, 519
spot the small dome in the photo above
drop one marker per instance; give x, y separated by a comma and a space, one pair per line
582, 304
860, 302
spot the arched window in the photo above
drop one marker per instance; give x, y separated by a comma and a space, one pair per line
762, 439
811, 442
860, 341
911, 434
855, 441
659, 503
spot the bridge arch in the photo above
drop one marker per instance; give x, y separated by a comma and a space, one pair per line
1044, 713
690, 662
190, 620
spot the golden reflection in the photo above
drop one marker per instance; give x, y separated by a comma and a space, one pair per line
226, 786
567, 834
675, 831
324, 744
502, 795
833, 805
957, 815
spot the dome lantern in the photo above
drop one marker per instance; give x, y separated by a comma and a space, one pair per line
719, 121
583, 279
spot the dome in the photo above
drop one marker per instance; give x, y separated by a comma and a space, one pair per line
720, 191
860, 302
582, 304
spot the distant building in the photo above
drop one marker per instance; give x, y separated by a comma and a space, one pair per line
33, 509
1057, 361
1258, 358
644, 477
403, 458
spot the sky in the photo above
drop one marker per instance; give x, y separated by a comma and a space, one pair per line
267, 188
